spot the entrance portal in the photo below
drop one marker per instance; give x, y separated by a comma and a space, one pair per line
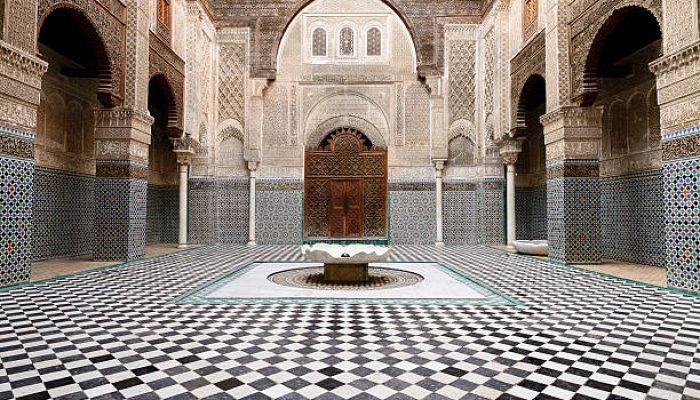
345, 188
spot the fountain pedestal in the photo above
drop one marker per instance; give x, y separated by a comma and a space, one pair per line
346, 272
345, 263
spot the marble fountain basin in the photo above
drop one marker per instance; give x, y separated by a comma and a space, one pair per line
345, 263
532, 247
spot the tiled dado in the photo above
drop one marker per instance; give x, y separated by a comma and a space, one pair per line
279, 211
531, 213
473, 212
16, 200
162, 214
681, 177
412, 212
573, 197
121, 194
632, 219
218, 211
63, 221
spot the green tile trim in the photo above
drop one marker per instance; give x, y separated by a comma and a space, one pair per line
9, 288
604, 275
198, 295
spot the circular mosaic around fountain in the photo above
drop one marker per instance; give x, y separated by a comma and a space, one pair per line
312, 278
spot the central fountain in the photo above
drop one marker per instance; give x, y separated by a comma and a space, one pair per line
345, 263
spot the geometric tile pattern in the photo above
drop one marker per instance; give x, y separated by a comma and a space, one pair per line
412, 217
115, 334
16, 197
682, 217
120, 218
491, 209
162, 214
632, 219
531, 213
573, 214
460, 217
279, 216
218, 211
63, 220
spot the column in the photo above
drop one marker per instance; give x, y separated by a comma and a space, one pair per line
252, 168
439, 168
185, 149
122, 140
572, 140
20, 76
678, 75
510, 149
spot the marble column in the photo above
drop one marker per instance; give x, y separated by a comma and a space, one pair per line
439, 168
20, 77
509, 150
184, 148
252, 168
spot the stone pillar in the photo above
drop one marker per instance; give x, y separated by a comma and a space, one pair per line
678, 77
439, 168
122, 139
252, 168
572, 139
510, 150
184, 148
20, 77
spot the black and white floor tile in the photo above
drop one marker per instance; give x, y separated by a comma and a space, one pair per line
115, 334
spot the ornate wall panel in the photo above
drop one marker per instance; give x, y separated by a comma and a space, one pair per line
164, 62
269, 18
529, 61
108, 18
586, 26
417, 115
232, 70
462, 83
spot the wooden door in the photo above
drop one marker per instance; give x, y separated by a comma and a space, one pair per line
346, 217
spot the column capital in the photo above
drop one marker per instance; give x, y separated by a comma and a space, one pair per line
185, 148
509, 148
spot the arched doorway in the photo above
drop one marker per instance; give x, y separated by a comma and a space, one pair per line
64, 176
162, 209
531, 179
345, 185
631, 205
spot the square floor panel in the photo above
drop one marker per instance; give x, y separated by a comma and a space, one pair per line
252, 284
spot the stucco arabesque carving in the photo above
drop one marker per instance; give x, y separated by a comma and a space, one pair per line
109, 21
585, 28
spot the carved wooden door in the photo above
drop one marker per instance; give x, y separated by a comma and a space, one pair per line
346, 219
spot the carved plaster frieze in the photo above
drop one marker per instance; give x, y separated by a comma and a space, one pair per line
677, 67
684, 147
16, 147
573, 133
21, 66
112, 169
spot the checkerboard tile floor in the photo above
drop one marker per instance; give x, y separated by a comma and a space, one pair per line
113, 334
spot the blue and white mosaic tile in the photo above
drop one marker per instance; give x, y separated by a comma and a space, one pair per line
63, 214
16, 197
632, 219
461, 217
279, 216
412, 217
120, 218
531, 213
162, 218
682, 211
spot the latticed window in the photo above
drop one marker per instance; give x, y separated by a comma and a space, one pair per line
319, 42
164, 19
347, 42
374, 42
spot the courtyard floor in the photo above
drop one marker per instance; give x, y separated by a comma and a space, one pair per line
127, 331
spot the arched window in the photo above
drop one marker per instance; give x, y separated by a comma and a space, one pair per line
319, 43
374, 42
347, 42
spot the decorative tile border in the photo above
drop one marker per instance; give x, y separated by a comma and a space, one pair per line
199, 295
675, 135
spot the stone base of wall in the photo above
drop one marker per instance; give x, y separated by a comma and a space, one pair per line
63, 221
531, 213
162, 214
632, 220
